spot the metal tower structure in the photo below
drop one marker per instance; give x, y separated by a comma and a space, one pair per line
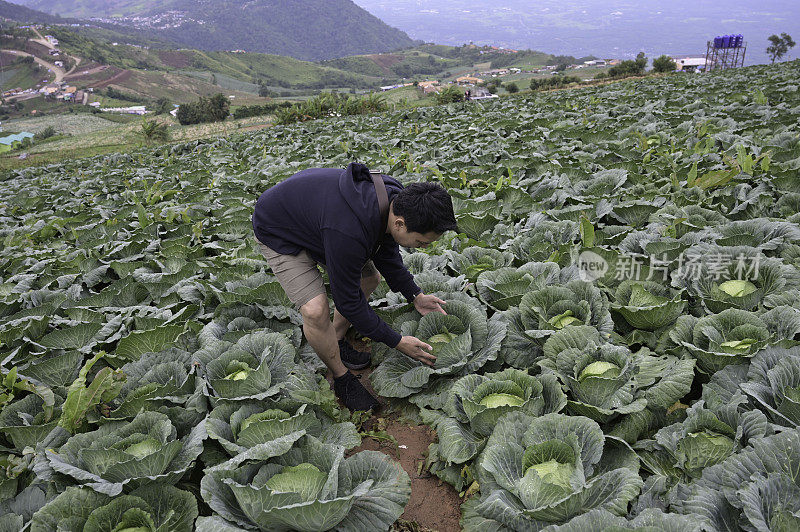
725, 52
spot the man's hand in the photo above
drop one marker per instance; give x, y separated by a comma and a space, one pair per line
416, 349
427, 303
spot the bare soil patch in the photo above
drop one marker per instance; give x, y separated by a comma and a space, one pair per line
175, 59
117, 79
434, 505
385, 61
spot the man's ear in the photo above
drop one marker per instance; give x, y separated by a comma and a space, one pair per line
399, 222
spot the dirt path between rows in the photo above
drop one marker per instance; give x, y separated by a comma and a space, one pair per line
433, 505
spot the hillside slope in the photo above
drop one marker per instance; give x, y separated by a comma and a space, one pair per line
23, 14
304, 29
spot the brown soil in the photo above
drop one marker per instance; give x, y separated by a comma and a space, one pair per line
88, 71
118, 79
175, 59
385, 61
434, 505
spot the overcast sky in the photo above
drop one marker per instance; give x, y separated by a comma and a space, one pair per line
604, 28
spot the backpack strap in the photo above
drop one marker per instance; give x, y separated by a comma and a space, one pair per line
383, 204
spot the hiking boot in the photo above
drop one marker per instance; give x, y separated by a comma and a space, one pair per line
353, 394
352, 358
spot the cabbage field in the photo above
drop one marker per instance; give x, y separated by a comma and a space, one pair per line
621, 350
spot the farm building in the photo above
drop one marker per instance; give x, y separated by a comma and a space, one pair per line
134, 110
468, 80
479, 93
690, 64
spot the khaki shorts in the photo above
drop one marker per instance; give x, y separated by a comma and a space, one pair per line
299, 275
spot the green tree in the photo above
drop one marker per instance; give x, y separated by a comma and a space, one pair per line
664, 63
154, 131
163, 106
218, 107
641, 62
512, 87
780, 46
450, 94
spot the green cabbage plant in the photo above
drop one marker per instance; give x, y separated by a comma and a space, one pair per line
732, 336
472, 261
538, 471
164, 382
123, 455
647, 305
463, 341
475, 403
232, 322
540, 237
651, 519
244, 429
604, 381
255, 367
753, 489
735, 277
706, 437
309, 486
549, 309
153, 508
504, 287
773, 382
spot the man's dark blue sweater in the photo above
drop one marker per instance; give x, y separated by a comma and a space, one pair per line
334, 215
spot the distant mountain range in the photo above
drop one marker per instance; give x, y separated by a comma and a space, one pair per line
304, 29
619, 28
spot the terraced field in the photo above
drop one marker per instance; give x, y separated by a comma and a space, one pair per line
621, 348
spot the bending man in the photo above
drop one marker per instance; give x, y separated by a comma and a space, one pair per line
332, 217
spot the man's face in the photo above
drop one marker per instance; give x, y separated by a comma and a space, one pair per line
411, 239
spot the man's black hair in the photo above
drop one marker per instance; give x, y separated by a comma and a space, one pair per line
425, 207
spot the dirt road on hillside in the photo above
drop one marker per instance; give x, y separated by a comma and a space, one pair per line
58, 71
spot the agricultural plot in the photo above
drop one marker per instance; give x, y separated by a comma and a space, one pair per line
620, 349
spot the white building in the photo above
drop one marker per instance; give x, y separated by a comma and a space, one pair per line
690, 63
134, 110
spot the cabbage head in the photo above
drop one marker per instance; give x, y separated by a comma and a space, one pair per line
732, 336
539, 471
476, 402
154, 508
605, 381
647, 305
309, 487
127, 455
706, 437
463, 341
255, 367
